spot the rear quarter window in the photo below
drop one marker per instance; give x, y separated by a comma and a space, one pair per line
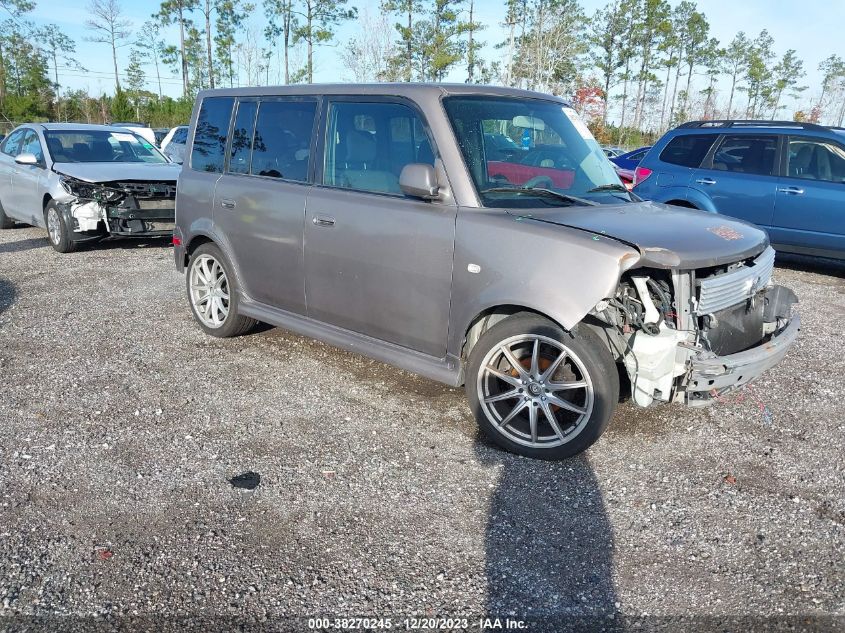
212, 128
687, 150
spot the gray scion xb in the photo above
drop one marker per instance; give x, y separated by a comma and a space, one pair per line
477, 236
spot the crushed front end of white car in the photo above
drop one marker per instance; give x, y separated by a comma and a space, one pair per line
123, 208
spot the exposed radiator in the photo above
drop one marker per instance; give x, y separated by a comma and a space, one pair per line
723, 291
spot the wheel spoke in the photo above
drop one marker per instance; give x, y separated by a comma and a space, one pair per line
565, 404
550, 416
203, 299
519, 407
514, 363
535, 358
564, 386
215, 310
532, 422
503, 376
505, 395
551, 369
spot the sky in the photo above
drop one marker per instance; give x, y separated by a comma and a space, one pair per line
812, 27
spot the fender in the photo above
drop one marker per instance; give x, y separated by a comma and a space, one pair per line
701, 200
696, 198
577, 269
203, 227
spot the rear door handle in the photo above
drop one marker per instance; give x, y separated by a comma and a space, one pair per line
706, 181
227, 203
323, 220
795, 191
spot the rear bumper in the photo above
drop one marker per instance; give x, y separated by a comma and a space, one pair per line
179, 250
711, 377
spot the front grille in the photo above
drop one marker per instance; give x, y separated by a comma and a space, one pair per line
728, 289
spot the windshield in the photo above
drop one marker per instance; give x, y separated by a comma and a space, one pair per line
513, 145
100, 146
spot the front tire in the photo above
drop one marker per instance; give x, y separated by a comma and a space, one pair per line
212, 293
57, 230
539, 391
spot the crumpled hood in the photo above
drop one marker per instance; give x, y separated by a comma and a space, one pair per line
667, 236
110, 172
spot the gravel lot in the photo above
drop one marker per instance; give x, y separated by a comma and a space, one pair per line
121, 425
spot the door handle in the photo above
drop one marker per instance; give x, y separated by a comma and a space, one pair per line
323, 220
227, 203
706, 181
795, 191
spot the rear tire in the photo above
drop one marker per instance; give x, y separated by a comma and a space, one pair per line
539, 391
57, 230
213, 293
5, 221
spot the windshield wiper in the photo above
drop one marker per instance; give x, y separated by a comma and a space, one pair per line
549, 193
613, 186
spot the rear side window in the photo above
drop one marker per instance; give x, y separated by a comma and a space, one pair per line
180, 136
816, 159
282, 142
747, 154
210, 135
687, 150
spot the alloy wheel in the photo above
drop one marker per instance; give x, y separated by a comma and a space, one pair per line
54, 225
535, 391
209, 291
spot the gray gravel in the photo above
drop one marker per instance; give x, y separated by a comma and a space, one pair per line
121, 424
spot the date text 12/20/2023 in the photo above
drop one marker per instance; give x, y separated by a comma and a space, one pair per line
417, 624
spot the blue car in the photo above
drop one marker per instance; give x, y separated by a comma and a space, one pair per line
630, 160
786, 177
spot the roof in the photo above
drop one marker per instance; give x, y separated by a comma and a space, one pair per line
78, 127
400, 89
750, 125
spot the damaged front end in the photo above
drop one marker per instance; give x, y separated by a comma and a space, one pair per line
694, 335
123, 209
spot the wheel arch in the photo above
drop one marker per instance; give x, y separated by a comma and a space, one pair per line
682, 203
489, 317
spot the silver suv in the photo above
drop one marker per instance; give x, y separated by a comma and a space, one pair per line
386, 220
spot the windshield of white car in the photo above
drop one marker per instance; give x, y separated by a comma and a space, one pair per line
513, 145
100, 146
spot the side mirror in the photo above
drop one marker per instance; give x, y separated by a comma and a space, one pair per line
26, 159
418, 180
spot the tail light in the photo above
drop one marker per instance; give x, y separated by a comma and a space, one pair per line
640, 174
177, 241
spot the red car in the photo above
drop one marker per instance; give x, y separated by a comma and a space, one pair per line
519, 174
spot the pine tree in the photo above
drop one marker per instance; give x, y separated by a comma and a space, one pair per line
316, 27
109, 27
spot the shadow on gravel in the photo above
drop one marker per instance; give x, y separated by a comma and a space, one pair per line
549, 545
7, 294
807, 264
24, 245
130, 243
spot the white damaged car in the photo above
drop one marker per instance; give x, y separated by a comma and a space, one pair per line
85, 182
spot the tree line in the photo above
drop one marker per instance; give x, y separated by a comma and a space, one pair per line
633, 68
